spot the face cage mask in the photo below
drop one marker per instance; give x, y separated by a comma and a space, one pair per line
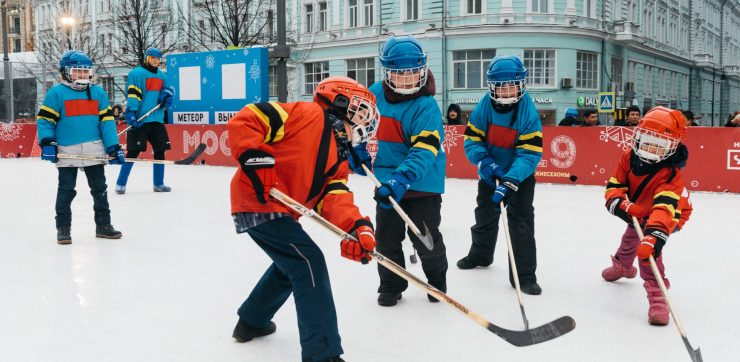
653, 147
363, 117
521, 88
405, 83
79, 84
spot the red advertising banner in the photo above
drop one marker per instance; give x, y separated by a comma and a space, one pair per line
571, 155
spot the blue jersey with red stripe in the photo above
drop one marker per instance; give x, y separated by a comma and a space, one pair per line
71, 117
142, 90
410, 136
513, 139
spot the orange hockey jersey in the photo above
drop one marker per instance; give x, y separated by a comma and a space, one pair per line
662, 195
307, 162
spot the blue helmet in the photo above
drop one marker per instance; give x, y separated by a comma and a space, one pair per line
153, 52
504, 71
404, 64
76, 68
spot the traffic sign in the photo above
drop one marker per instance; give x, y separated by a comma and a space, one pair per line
606, 102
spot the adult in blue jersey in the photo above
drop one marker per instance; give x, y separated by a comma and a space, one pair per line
504, 139
75, 118
146, 88
410, 164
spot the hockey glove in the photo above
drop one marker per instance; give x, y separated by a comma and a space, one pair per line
358, 156
652, 244
132, 121
395, 187
504, 192
624, 209
358, 250
489, 171
116, 155
166, 96
49, 150
259, 166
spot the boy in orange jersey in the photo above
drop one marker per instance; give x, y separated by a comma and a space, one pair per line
649, 186
301, 149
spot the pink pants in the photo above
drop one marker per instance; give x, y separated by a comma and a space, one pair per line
627, 253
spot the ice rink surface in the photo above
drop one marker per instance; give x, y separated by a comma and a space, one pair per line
169, 290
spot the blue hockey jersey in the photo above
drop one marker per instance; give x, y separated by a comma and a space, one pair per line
410, 136
71, 117
142, 89
513, 140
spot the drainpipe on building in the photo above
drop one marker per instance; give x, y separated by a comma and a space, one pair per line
714, 86
691, 54
281, 53
721, 57
444, 60
8, 83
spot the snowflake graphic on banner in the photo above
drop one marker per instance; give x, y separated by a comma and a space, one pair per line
257, 99
9, 131
254, 71
210, 62
621, 135
204, 80
173, 62
246, 52
451, 138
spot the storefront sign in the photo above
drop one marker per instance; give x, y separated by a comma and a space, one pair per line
467, 100
543, 100
586, 101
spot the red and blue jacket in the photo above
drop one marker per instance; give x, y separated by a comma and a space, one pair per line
142, 90
513, 139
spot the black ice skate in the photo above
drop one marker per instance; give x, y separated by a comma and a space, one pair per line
243, 332
107, 232
388, 299
63, 236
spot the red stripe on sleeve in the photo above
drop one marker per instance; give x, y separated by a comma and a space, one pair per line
80, 107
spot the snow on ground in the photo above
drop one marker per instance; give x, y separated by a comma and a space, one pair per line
169, 290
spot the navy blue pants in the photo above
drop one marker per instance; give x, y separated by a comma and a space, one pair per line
66, 193
298, 267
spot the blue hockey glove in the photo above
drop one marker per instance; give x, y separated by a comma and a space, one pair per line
489, 171
504, 192
358, 156
395, 187
49, 150
131, 120
116, 154
166, 96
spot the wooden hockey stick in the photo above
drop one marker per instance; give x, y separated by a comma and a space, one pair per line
185, 161
140, 119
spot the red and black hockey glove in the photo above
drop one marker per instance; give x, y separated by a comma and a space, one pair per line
358, 250
624, 209
651, 244
259, 166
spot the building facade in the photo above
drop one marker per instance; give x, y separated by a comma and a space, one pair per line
683, 54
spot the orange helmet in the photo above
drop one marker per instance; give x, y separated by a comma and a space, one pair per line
352, 100
659, 134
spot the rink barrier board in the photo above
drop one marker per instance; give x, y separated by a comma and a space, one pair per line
571, 155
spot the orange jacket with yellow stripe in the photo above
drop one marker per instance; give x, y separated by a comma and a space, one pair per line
307, 161
663, 196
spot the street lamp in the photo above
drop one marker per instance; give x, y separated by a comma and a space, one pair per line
68, 22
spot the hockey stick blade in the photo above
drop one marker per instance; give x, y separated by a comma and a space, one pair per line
537, 335
695, 354
190, 159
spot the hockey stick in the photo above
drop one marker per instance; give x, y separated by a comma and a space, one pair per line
425, 237
512, 262
140, 119
185, 161
694, 353
527, 337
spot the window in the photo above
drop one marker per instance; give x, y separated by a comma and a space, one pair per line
586, 70
309, 18
212, 37
202, 30
315, 73
17, 45
273, 81
369, 13
617, 73
541, 66
110, 43
469, 67
412, 10
353, 9
322, 16
539, 6
588, 8
648, 83
474, 7
108, 84
362, 70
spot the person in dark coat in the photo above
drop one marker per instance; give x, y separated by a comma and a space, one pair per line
454, 115
570, 119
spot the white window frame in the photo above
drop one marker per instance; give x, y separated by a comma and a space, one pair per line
647, 77
369, 65
465, 10
549, 3
617, 75
419, 6
272, 80
589, 8
368, 20
484, 62
549, 81
323, 19
357, 16
309, 17
324, 73
584, 81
